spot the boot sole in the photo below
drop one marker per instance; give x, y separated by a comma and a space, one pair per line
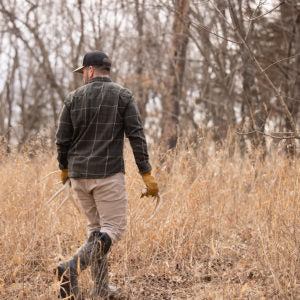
65, 283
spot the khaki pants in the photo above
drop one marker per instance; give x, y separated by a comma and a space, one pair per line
104, 203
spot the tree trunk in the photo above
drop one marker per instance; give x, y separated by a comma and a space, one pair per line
290, 18
257, 107
140, 94
176, 68
297, 48
258, 114
10, 95
295, 110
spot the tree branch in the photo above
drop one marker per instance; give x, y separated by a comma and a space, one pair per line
280, 60
257, 64
268, 12
271, 135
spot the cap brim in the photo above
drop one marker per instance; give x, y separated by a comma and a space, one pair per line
79, 70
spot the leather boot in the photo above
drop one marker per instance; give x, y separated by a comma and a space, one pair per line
68, 271
99, 269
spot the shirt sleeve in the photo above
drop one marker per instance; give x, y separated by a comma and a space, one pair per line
135, 133
64, 136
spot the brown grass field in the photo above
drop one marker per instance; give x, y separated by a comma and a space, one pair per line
227, 229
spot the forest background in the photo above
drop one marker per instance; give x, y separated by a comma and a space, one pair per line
194, 66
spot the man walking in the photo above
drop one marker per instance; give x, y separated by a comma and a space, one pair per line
90, 140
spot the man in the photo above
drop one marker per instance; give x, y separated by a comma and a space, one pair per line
90, 140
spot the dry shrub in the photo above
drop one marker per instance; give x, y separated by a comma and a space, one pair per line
227, 228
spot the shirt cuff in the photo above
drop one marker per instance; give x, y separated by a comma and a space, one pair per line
144, 167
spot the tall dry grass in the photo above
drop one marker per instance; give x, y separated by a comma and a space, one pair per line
228, 228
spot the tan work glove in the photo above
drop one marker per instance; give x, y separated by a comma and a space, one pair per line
151, 184
64, 175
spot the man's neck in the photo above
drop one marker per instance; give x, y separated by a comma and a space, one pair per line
101, 75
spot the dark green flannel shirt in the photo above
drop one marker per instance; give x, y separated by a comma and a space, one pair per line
90, 135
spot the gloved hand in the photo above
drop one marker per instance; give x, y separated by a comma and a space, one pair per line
64, 175
151, 184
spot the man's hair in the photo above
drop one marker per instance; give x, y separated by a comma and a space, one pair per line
102, 70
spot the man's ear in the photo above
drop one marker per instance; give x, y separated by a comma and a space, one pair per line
91, 71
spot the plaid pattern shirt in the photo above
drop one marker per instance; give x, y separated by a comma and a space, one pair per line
90, 135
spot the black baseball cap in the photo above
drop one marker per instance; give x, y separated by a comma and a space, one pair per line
94, 58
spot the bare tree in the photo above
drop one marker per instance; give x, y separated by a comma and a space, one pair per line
257, 107
140, 91
290, 22
192, 65
10, 96
176, 66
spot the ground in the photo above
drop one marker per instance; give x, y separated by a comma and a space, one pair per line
228, 228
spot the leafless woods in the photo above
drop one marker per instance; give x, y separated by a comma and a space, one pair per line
194, 66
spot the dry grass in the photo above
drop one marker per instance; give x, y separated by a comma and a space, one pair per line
227, 229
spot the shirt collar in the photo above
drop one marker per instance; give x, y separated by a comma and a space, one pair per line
101, 79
